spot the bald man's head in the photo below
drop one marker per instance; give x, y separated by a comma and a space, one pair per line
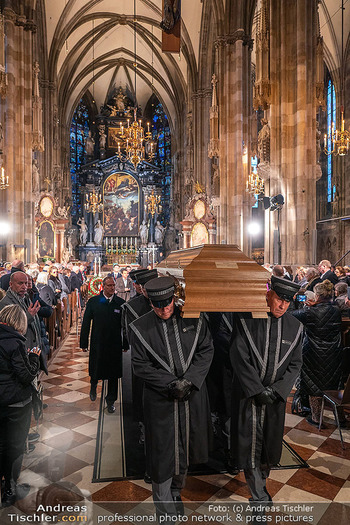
18, 283
18, 264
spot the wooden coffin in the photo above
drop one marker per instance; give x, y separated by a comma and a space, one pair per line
217, 278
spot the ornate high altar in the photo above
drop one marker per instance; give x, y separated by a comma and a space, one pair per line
121, 217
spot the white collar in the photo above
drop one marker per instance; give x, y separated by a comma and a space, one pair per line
108, 298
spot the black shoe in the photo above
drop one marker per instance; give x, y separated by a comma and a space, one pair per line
232, 470
45, 405
8, 498
93, 394
110, 409
179, 506
33, 436
147, 478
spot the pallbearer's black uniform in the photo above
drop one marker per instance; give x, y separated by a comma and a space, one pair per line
264, 353
177, 431
219, 379
132, 310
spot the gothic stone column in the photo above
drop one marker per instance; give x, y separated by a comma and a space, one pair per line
292, 117
234, 110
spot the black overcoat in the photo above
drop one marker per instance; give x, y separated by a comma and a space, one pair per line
106, 343
176, 432
264, 352
322, 348
219, 379
132, 310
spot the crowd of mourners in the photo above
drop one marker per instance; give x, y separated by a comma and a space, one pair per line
28, 294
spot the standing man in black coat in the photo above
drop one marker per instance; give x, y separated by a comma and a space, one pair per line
104, 311
266, 360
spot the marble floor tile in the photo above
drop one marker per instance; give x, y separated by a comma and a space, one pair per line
72, 397
343, 495
299, 437
331, 465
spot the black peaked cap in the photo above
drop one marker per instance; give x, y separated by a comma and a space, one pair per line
160, 289
284, 288
145, 276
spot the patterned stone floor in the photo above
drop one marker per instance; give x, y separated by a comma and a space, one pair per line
65, 452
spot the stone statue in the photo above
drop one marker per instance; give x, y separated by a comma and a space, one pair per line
143, 232
83, 231
103, 136
89, 145
159, 232
98, 233
62, 211
35, 177
119, 100
264, 142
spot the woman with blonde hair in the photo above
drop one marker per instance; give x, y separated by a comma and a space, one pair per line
322, 350
18, 368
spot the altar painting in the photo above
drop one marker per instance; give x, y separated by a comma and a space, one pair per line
46, 240
121, 205
199, 234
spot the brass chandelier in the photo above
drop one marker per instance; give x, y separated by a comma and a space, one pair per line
93, 203
254, 184
133, 138
337, 142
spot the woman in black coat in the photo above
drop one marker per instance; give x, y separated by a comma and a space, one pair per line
322, 351
18, 368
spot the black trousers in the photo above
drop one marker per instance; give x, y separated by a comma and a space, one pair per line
112, 389
14, 425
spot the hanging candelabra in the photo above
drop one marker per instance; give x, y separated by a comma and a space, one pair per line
153, 204
133, 140
93, 203
337, 142
254, 184
4, 180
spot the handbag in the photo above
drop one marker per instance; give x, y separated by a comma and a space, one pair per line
37, 403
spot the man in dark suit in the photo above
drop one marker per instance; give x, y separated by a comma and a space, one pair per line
104, 311
124, 287
326, 272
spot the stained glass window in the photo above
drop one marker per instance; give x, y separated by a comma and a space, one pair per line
161, 133
78, 132
331, 118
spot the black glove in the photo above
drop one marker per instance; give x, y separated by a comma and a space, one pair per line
267, 397
180, 389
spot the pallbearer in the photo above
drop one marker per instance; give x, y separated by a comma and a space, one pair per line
133, 309
266, 360
172, 355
